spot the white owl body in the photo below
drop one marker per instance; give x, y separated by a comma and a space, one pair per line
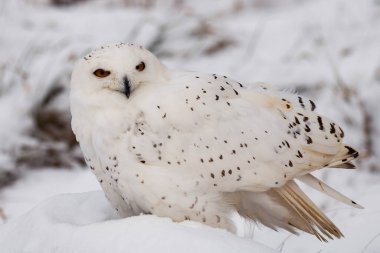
199, 146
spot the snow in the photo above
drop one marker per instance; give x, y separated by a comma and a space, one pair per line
327, 50
38, 185
84, 222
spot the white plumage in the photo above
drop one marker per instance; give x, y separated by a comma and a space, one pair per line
195, 146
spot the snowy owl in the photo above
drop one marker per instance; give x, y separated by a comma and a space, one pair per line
193, 146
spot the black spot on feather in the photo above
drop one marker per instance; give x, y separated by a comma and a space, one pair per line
332, 128
341, 132
320, 122
350, 150
312, 105
301, 102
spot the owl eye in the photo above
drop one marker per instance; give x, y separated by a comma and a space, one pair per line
102, 73
140, 67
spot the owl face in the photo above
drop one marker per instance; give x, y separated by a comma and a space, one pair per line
118, 68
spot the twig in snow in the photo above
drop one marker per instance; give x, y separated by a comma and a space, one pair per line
347, 92
7, 177
252, 45
367, 128
2, 215
255, 37
369, 243
159, 39
281, 246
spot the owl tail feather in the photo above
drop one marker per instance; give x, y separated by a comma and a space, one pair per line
286, 207
317, 223
343, 158
318, 185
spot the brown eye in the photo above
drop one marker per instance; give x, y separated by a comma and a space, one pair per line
140, 67
102, 73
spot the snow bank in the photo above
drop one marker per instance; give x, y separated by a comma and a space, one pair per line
84, 222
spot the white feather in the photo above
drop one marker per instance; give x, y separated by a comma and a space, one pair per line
317, 184
174, 143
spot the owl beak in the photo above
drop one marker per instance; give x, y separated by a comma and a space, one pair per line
127, 87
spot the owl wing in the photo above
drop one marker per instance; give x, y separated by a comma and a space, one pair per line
249, 142
239, 138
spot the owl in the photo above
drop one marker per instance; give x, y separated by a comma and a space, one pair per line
201, 147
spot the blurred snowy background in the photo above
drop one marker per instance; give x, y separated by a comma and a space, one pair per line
328, 50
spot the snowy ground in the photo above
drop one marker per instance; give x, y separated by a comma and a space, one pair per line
327, 50
84, 222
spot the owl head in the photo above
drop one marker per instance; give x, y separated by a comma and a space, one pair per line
120, 68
